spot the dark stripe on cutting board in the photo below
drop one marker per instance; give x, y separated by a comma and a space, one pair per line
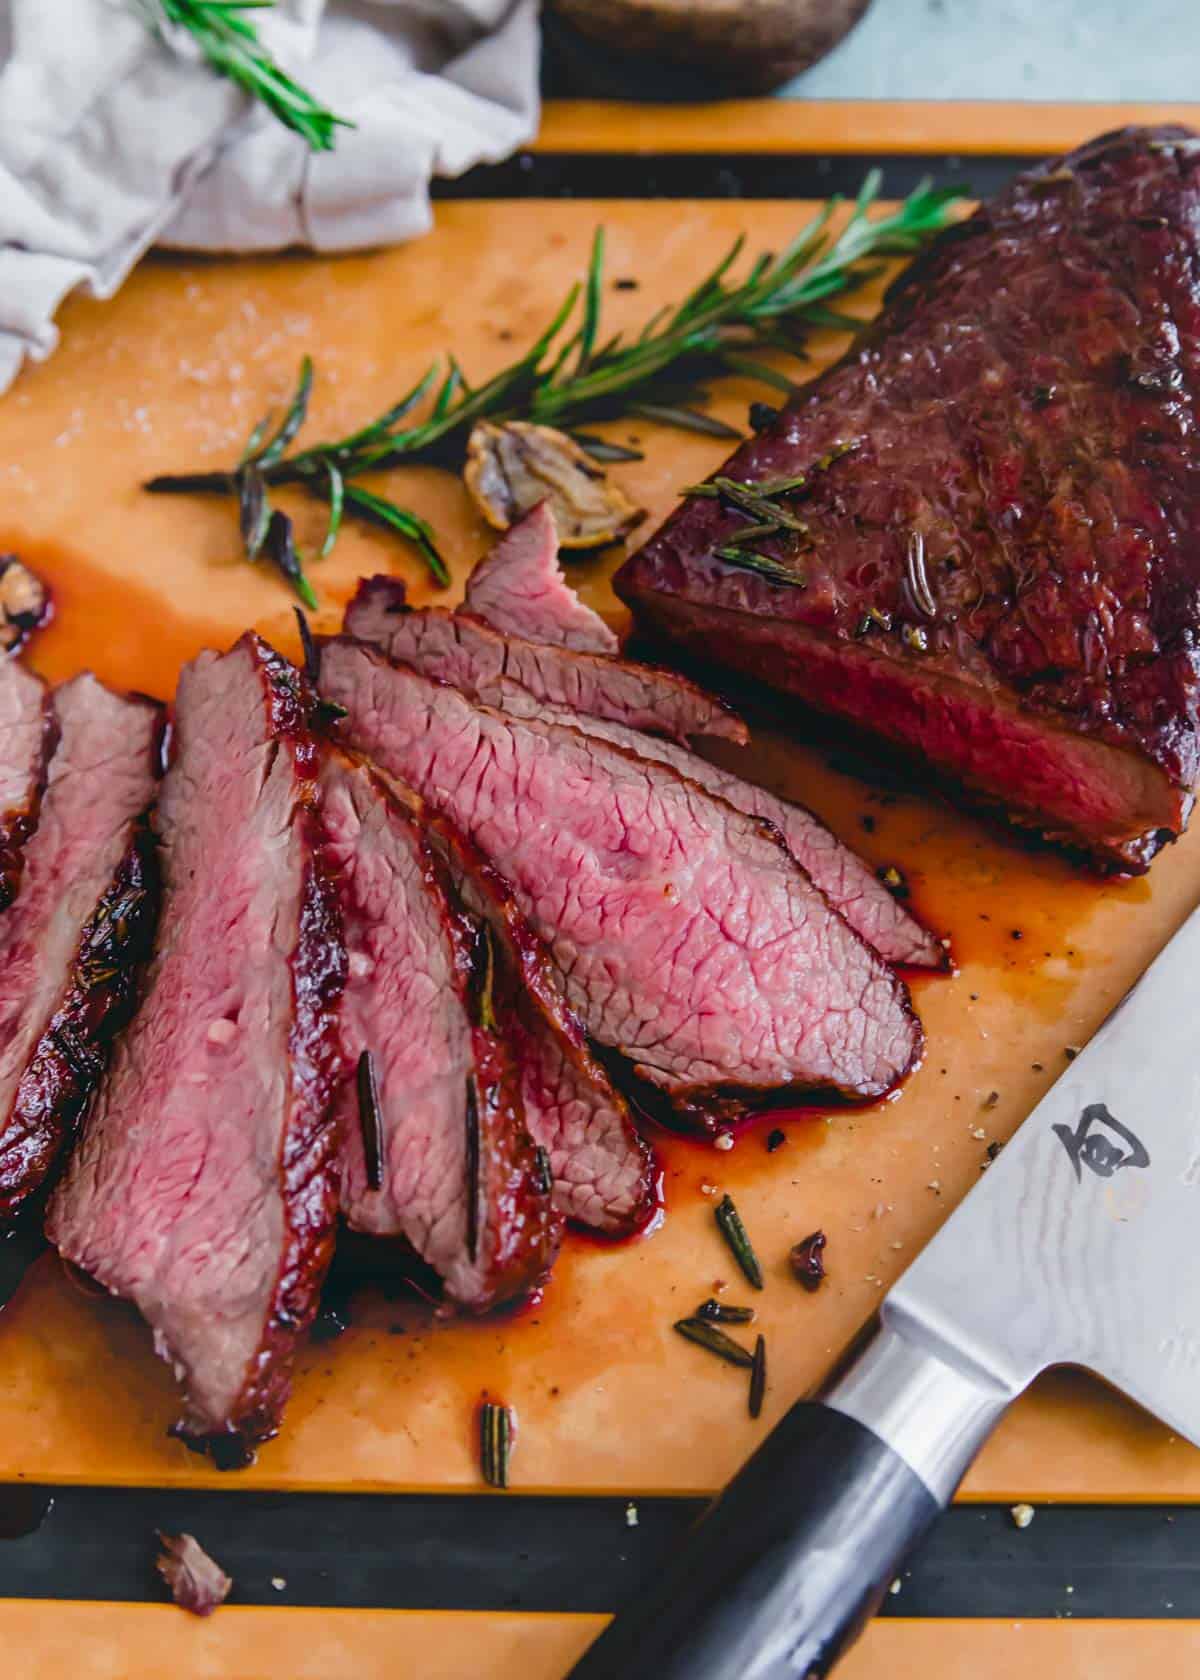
462, 1552
720, 175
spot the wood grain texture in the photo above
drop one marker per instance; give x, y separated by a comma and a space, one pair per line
77, 1641
172, 374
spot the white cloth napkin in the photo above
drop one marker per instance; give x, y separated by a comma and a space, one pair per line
111, 141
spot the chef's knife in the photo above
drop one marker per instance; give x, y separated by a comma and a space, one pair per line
1081, 1246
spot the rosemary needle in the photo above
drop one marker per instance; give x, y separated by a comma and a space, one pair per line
729, 1222
495, 1443
231, 45
572, 377
706, 1335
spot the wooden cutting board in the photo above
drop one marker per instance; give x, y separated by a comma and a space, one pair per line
172, 375
85, 1641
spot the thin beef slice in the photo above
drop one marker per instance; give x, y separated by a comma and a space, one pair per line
204, 1185
688, 940
460, 649
81, 923
518, 588
456, 1173
27, 735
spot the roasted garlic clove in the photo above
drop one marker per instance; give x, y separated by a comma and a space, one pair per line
24, 603
513, 466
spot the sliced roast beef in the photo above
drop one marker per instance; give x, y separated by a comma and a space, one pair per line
460, 649
689, 941
204, 1185
989, 545
846, 881
81, 923
433, 1085
27, 733
518, 587
605, 1176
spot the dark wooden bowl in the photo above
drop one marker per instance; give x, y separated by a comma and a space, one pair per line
723, 46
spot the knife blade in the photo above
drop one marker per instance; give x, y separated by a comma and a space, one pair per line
1078, 1247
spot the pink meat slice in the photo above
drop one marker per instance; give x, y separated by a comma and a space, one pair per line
460, 1179
518, 587
460, 649
605, 1175
204, 1186
688, 940
27, 734
65, 980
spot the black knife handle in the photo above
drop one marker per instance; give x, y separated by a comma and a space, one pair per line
780, 1574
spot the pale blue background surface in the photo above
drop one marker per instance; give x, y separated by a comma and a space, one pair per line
1015, 49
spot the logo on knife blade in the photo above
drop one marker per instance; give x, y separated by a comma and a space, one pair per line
1092, 1149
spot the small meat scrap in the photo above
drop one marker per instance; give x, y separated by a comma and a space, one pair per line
24, 603
512, 467
808, 1261
196, 1582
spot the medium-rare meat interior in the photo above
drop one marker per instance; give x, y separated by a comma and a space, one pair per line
847, 882
688, 940
27, 729
434, 1144
605, 1176
82, 921
203, 1187
988, 549
518, 587
457, 648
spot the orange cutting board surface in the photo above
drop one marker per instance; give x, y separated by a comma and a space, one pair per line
84, 1641
172, 375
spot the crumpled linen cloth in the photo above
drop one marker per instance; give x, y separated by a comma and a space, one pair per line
111, 141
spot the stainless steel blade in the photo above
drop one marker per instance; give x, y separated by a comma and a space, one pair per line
1081, 1245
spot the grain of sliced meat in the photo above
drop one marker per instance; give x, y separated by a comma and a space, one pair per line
203, 1187
688, 940
463, 650
459, 1178
519, 588
27, 734
81, 924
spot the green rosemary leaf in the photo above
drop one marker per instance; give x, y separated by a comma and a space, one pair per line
689, 419
729, 1223
758, 1377
293, 419
446, 395
337, 501
758, 370
750, 560
716, 1312
254, 510
495, 1443
749, 501
591, 303
279, 546
369, 1120
706, 1335
231, 45
402, 521
600, 449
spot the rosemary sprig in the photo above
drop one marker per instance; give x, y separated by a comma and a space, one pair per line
572, 376
495, 1443
706, 1335
231, 45
729, 1222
